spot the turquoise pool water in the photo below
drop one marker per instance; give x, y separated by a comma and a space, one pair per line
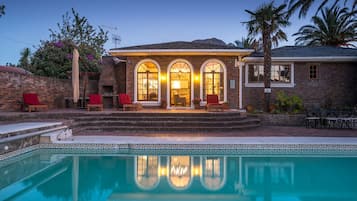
60, 176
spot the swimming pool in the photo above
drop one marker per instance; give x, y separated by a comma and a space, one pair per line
56, 175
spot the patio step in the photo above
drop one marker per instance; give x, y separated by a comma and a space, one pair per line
175, 122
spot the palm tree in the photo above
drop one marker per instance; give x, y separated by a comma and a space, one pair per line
267, 20
246, 42
24, 61
335, 27
305, 5
2, 10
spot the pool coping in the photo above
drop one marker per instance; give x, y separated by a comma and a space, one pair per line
294, 145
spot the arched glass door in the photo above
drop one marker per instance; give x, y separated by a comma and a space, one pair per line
180, 85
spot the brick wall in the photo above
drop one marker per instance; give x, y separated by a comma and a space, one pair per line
196, 61
50, 90
336, 82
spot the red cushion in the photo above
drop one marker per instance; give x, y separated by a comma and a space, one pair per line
124, 99
95, 99
31, 99
212, 99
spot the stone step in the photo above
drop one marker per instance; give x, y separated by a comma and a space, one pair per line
168, 123
170, 118
166, 129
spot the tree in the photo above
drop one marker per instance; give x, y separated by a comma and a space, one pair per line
335, 27
25, 59
54, 57
80, 32
267, 21
305, 5
2, 10
247, 42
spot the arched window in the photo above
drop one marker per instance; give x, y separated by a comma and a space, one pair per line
180, 84
147, 82
213, 80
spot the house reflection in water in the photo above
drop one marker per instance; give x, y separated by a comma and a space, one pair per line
182, 177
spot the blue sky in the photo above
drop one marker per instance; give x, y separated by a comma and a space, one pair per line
26, 22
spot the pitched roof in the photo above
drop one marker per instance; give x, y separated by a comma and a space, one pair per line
12, 69
178, 45
307, 51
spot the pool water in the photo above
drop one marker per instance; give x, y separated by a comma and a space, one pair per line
58, 176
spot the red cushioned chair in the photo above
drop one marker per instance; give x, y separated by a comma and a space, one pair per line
95, 101
213, 103
32, 103
126, 103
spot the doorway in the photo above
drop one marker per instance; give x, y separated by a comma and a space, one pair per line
180, 85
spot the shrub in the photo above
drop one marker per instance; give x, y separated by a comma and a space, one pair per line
289, 104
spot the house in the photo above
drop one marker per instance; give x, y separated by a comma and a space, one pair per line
178, 72
321, 76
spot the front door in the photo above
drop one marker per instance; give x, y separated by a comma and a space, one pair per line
180, 85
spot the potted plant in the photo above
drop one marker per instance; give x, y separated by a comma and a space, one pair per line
196, 102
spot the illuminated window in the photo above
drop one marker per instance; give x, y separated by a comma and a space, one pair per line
279, 73
213, 80
180, 84
147, 172
147, 82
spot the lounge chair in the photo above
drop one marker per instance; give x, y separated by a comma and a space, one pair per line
126, 103
95, 101
32, 103
213, 103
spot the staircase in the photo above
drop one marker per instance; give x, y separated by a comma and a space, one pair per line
167, 122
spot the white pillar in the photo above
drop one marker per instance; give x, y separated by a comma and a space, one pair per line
240, 87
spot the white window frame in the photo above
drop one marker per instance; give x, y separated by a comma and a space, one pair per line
224, 78
273, 84
169, 81
147, 103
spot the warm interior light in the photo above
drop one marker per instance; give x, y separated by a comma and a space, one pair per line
163, 77
196, 171
197, 77
163, 171
176, 84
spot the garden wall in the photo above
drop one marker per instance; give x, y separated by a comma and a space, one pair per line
282, 119
51, 91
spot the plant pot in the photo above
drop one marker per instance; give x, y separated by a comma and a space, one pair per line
197, 106
250, 108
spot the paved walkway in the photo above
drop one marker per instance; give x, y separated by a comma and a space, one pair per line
263, 131
209, 140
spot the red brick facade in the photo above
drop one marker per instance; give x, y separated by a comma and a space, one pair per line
197, 62
336, 83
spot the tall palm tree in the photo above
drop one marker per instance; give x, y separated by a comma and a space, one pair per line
335, 27
305, 5
267, 20
247, 42
24, 61
2, 10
